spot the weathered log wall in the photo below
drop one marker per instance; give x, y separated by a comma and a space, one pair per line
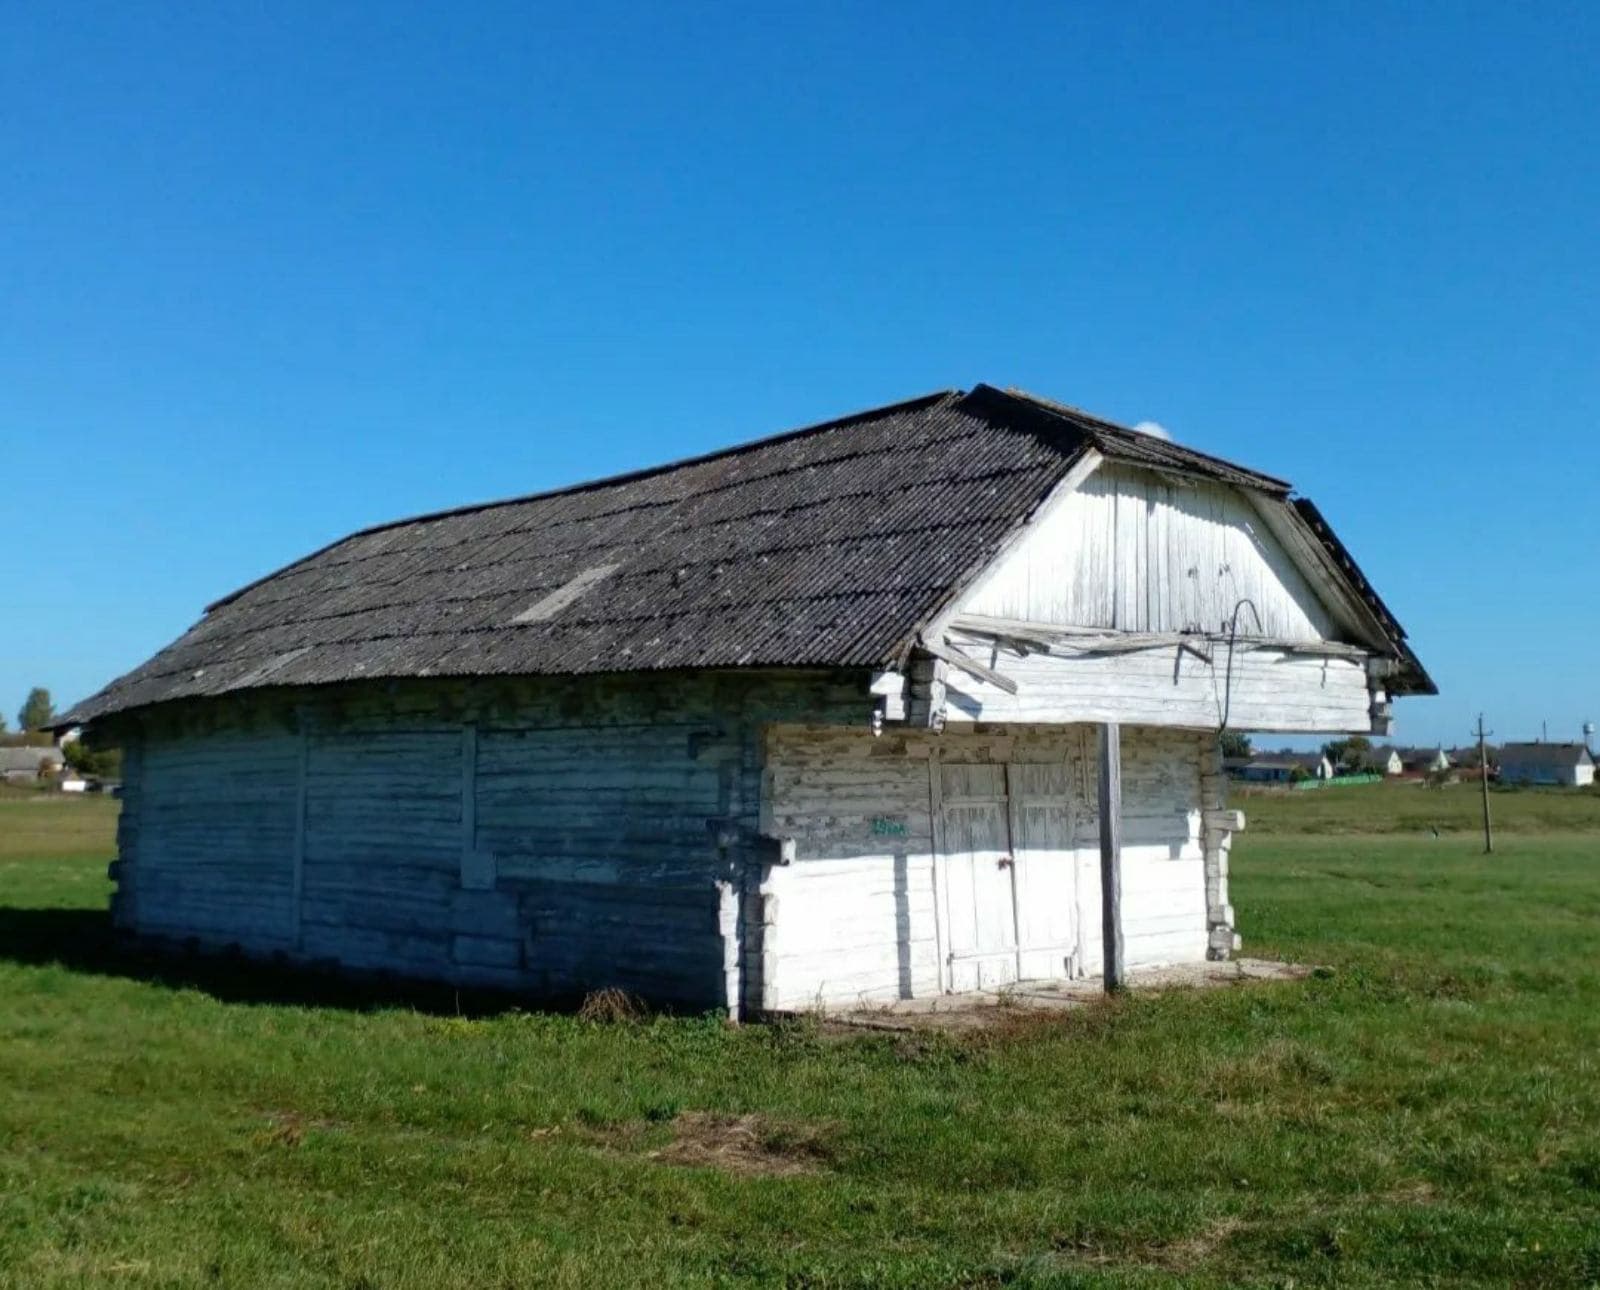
552, 837
557, 837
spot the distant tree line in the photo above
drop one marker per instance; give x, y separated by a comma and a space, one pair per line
1345, 755
1352, 754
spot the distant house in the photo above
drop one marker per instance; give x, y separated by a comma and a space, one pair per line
1466, 759
25, 765
1279, 768
1568, 765
1424, 761
1381, 761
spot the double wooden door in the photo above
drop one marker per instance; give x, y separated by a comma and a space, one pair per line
1008, 873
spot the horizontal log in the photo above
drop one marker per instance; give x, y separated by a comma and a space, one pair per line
487, 951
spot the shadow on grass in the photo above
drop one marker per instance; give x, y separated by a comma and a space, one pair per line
83, 940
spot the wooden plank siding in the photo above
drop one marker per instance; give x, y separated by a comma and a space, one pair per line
632, 838
1269, 688
1131, 550
1129, 559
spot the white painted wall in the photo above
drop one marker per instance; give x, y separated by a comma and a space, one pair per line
855, 914
1131, 550
1268, 689
858, 913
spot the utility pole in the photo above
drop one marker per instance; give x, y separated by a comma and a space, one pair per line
1483, 779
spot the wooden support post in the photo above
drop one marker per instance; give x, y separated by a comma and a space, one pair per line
1111, 855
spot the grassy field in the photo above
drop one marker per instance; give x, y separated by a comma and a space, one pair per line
1427, 1111
1409, 807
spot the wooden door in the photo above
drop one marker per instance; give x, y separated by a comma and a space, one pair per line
980, 892
1046, 873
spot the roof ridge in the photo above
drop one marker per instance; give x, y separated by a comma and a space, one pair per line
1068, 409
1096, 424
607, 481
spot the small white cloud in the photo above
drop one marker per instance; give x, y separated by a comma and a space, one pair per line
1154, 429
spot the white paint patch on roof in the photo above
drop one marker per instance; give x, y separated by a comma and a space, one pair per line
547, 608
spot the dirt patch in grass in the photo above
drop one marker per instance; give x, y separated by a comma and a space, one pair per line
289, 1129
1192, 1251
1415, 1192
1184, 1255
1027, 1008
749, 1145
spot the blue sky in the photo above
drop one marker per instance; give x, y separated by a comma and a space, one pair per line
274, 272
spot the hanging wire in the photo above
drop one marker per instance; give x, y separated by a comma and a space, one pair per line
1233, 635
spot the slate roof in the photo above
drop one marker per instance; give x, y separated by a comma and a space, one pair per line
1285, 761
827, 546
1549, 756
29, 758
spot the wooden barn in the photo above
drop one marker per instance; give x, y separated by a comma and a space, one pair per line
862, 711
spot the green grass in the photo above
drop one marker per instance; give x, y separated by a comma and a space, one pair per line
1411, 807
1427, 1112
38, 825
